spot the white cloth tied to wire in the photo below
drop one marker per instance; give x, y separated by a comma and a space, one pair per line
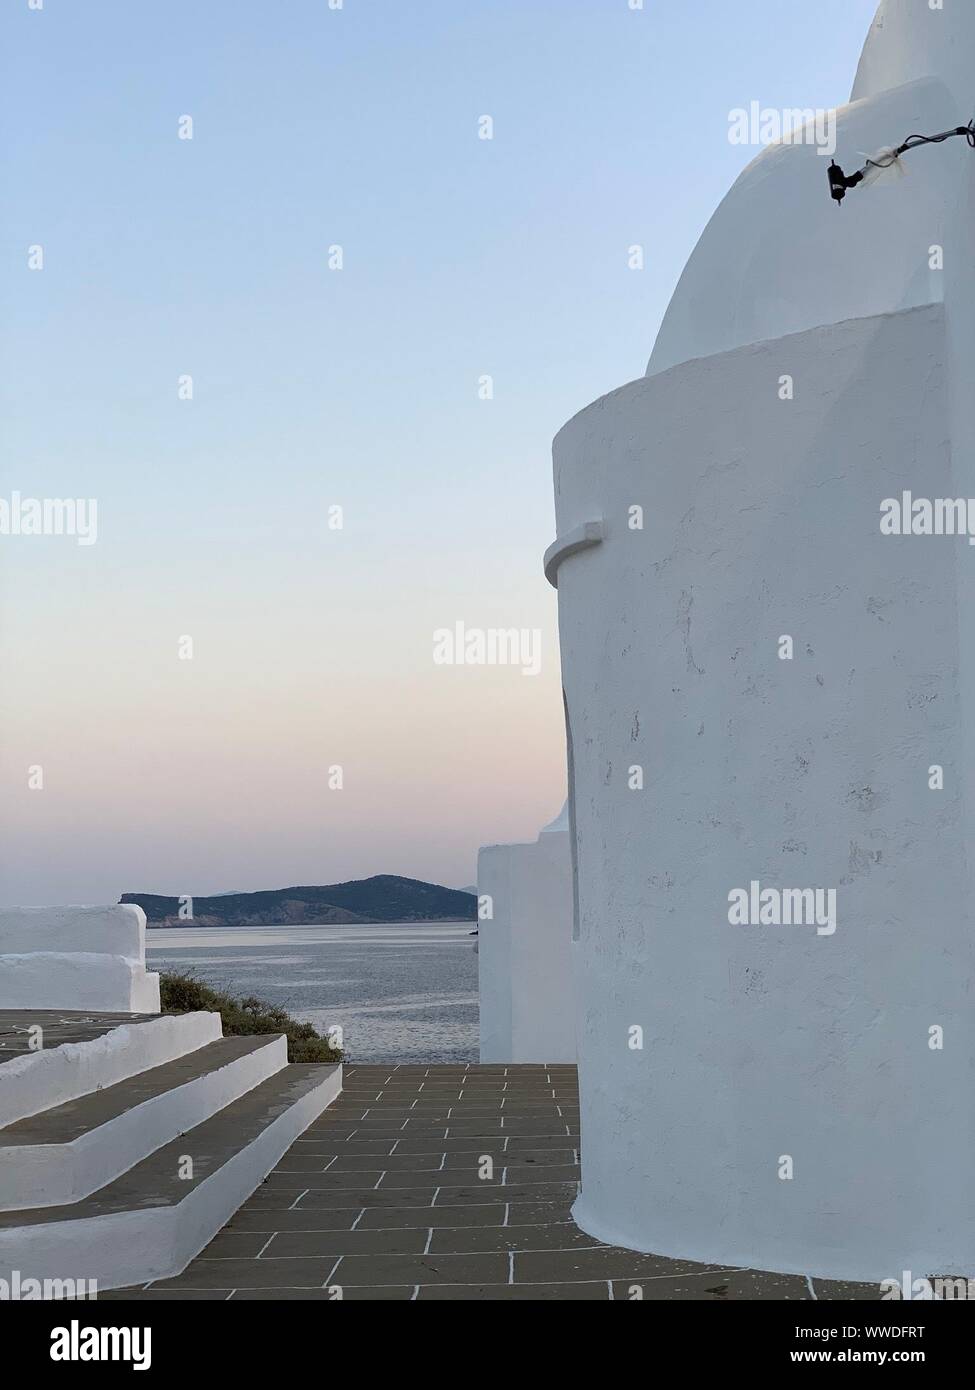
885, 161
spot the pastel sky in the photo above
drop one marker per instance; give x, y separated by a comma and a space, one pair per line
313, 388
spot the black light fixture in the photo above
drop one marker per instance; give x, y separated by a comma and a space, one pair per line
840, 183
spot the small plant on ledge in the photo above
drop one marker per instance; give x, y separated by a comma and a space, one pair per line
182, 994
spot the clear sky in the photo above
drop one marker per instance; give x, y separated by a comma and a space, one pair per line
314, 387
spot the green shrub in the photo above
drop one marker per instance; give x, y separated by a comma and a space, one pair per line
182, 994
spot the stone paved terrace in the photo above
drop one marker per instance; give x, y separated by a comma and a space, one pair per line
382, 1197
59, 1026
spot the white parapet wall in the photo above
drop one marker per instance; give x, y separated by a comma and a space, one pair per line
494, 953
117, 930
768, 696
524, 950
76, 958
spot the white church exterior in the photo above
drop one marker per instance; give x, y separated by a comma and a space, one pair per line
753, 921
765, 702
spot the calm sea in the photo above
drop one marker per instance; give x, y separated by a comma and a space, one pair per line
401, 993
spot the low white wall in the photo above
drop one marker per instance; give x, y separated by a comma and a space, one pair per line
494, 954
117, 930
76, 958
524, 951
74, 980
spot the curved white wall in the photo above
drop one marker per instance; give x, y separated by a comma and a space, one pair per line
761, 519
524, 950
759, 1043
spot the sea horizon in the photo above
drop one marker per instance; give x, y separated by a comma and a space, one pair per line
399, 991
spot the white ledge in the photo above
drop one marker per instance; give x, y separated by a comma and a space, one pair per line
580, 538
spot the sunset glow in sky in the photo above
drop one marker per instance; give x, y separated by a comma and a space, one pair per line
314, 388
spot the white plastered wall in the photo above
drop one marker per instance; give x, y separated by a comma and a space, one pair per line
524, 950
76, 958
762, 519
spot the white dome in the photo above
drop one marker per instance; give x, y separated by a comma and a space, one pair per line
909, 40
778, 257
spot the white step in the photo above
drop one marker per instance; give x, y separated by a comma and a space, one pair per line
67, 1153
83, 1052
153, 1220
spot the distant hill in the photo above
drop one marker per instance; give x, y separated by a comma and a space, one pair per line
383, 898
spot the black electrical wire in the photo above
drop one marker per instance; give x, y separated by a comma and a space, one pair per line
840, 183
913, 141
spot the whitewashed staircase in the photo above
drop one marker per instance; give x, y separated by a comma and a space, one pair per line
127, 1140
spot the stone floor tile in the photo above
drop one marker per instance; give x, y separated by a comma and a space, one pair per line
253, 1274
596, 1292
261, 1219
426, 1218
563, 1235
403, 1293
240, 1245
302, 1244
420, 1269
605, 1262
833, 1290
716, 1287
164, 1295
